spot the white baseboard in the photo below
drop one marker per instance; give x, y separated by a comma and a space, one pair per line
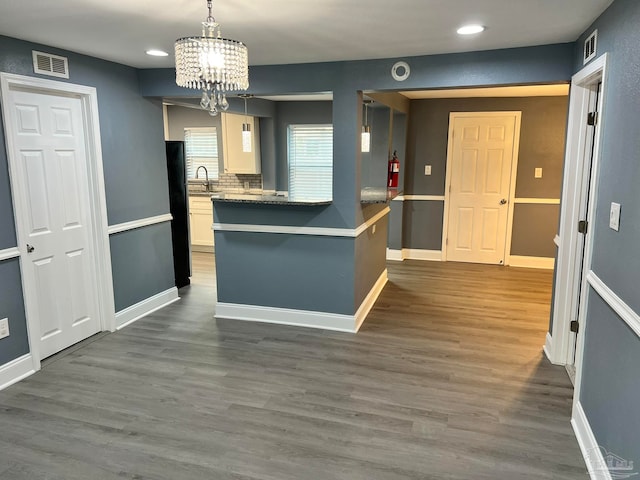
414, 254
547, 347
532, 262
370, 300
16, 370
145, 307
395, 255
303, 318
591, 451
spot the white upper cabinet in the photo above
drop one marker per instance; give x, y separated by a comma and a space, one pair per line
235, 160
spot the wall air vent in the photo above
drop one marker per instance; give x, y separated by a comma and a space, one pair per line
52, 65
590, 47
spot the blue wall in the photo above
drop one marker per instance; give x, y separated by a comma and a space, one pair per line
135, 181
246, 260
543, 64
11, 307
609, 391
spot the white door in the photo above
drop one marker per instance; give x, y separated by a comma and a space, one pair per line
49, 151
481, 157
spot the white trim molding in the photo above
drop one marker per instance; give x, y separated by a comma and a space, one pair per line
98, 206
16, 370
395, 254
419, 254
143, 222
295, 230
145, 307
574, 252
370, 300
414, 254
547, 347
9, 253
538, 201
618, 305
424, 198
304, 318
589, 447
372, 221
532, 262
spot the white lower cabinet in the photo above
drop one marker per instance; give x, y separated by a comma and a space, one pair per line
200, 223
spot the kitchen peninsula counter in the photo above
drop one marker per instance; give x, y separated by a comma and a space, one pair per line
264, 199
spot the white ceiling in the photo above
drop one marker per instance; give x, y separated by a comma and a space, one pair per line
289, 31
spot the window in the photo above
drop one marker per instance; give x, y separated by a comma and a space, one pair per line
201, 149
310, 162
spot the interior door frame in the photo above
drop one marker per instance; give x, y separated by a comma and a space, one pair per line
568, 265
97, 207
512, 181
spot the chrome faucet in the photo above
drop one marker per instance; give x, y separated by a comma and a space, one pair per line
206, 172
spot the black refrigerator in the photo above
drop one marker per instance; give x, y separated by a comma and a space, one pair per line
179, 205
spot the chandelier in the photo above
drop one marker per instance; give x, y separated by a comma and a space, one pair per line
212, 64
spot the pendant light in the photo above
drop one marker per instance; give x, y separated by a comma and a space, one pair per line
246, 128
365, 136
212, 64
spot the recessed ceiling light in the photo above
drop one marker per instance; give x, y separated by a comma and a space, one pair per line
470, 29
157, 53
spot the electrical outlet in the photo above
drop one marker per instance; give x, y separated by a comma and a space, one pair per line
614, 216
538, 173
427, 169
246, 186
4, 327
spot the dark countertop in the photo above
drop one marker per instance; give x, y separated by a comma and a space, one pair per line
378, 195
264, 199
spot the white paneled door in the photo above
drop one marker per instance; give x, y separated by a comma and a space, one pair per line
49, 152
481, 158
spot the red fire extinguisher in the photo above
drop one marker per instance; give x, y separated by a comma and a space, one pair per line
394, 171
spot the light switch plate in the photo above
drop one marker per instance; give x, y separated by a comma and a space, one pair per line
614, 216
4, 328
427, 169
538, 172
373, 230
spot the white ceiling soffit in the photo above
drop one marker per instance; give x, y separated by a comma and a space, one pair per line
516, 91
285, 31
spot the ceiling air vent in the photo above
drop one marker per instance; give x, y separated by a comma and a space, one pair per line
590, 47
52, 65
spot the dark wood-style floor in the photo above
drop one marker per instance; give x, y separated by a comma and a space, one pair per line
446, 380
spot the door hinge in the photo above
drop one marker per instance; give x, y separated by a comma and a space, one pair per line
574, 326
583, 226
592, 119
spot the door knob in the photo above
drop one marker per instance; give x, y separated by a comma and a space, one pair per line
503, 201
30, 248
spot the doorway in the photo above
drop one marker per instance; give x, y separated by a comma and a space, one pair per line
57, 188
564, 341
481, 165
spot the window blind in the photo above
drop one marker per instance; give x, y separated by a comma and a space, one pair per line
310, 162
201, 149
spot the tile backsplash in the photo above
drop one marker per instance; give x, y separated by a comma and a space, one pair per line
231, 182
